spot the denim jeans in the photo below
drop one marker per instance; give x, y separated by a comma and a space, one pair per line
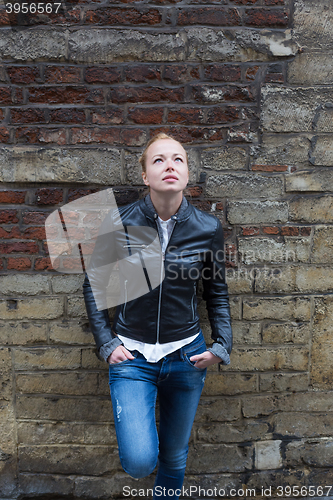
134, 385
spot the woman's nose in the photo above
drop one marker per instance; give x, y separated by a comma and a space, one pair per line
169, 163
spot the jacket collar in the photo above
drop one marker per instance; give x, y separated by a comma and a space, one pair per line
149, 209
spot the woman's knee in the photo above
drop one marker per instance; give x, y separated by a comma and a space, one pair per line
139, 465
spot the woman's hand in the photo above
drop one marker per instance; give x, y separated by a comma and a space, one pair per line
119, 354
205, 359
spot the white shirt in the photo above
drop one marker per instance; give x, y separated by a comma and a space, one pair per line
155, 352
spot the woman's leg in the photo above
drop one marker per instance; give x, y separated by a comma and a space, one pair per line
179, 390
133, 395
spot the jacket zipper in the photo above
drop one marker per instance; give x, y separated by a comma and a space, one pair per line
160, 291
124, 311
194, 292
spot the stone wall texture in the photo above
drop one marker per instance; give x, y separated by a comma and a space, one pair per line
247, 86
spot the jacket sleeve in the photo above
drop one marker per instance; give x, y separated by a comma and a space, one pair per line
217, 299
102, 260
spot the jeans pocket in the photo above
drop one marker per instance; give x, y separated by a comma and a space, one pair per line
189, 351
125, 361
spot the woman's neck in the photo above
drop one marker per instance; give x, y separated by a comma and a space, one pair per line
166, 207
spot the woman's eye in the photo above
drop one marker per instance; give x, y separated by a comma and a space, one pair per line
179, 159
157, 160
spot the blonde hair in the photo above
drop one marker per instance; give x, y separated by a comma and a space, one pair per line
157, 137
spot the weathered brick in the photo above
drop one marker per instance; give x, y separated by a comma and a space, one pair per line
19, 247
317, 209
91, 361
250, 231
42, 135
319, 453
70, 333
314, 279
142, 73
43, 264
24, 284
146, 115
79, 384
106, 46
286, 333
14, 197
115, 16
310, 68
120, 95
30, 115
227, 114
65, 95
220, 458
322, 251
47, 358
269, 250
63, 409
23, 74
32, 484
221, 93
269, 168
208, 15
313, 21
268, 359
239, 281
321, 152
257, 212
102, 74
283, 150
246, 431
83, 460
266, 18
67, 116
62, 74
222, 72
246, 333
225, 383
96, 165
19, 263
76, 307
4, 135
45, 308
277, 308
271, 280
238, 186
301, 425
282, 382
22, 333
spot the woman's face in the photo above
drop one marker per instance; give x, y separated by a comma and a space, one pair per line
166, 167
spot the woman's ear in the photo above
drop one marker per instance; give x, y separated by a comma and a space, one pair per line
145, 179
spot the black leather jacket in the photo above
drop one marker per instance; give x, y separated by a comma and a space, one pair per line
169, 312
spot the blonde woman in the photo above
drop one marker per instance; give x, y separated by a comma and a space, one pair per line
155, 346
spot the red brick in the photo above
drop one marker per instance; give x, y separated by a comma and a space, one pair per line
290, 231
225, 114
42, 135
4, 135
195, 73
271, 230
110, 115
67, 115
1, 264
12, 196
216, 16
250, 231
185, 115
1, 115
274, 78
222, 72
74, 194
28, 115
107, 74
305, 231
4, 18
19, 264
34, 233
146, 115
8, 234
8, 216
203, 205
219, 206
145, 94
62, 74
176, 73
35, 217
18, 97
49, 196
116, 16
98, 135
43, 264
193, 191
266, 18
142, 73
270, 168
191, 134
202, 93
19, 247
133, 137
65, 95
5, 95
251, 73
125, 196
23, 74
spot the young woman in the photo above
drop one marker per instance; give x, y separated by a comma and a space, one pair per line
156, 346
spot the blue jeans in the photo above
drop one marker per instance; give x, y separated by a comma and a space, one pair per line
134, 386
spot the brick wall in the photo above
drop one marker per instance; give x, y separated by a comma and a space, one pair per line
246, 86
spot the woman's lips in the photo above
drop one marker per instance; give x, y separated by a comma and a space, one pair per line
170, 178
